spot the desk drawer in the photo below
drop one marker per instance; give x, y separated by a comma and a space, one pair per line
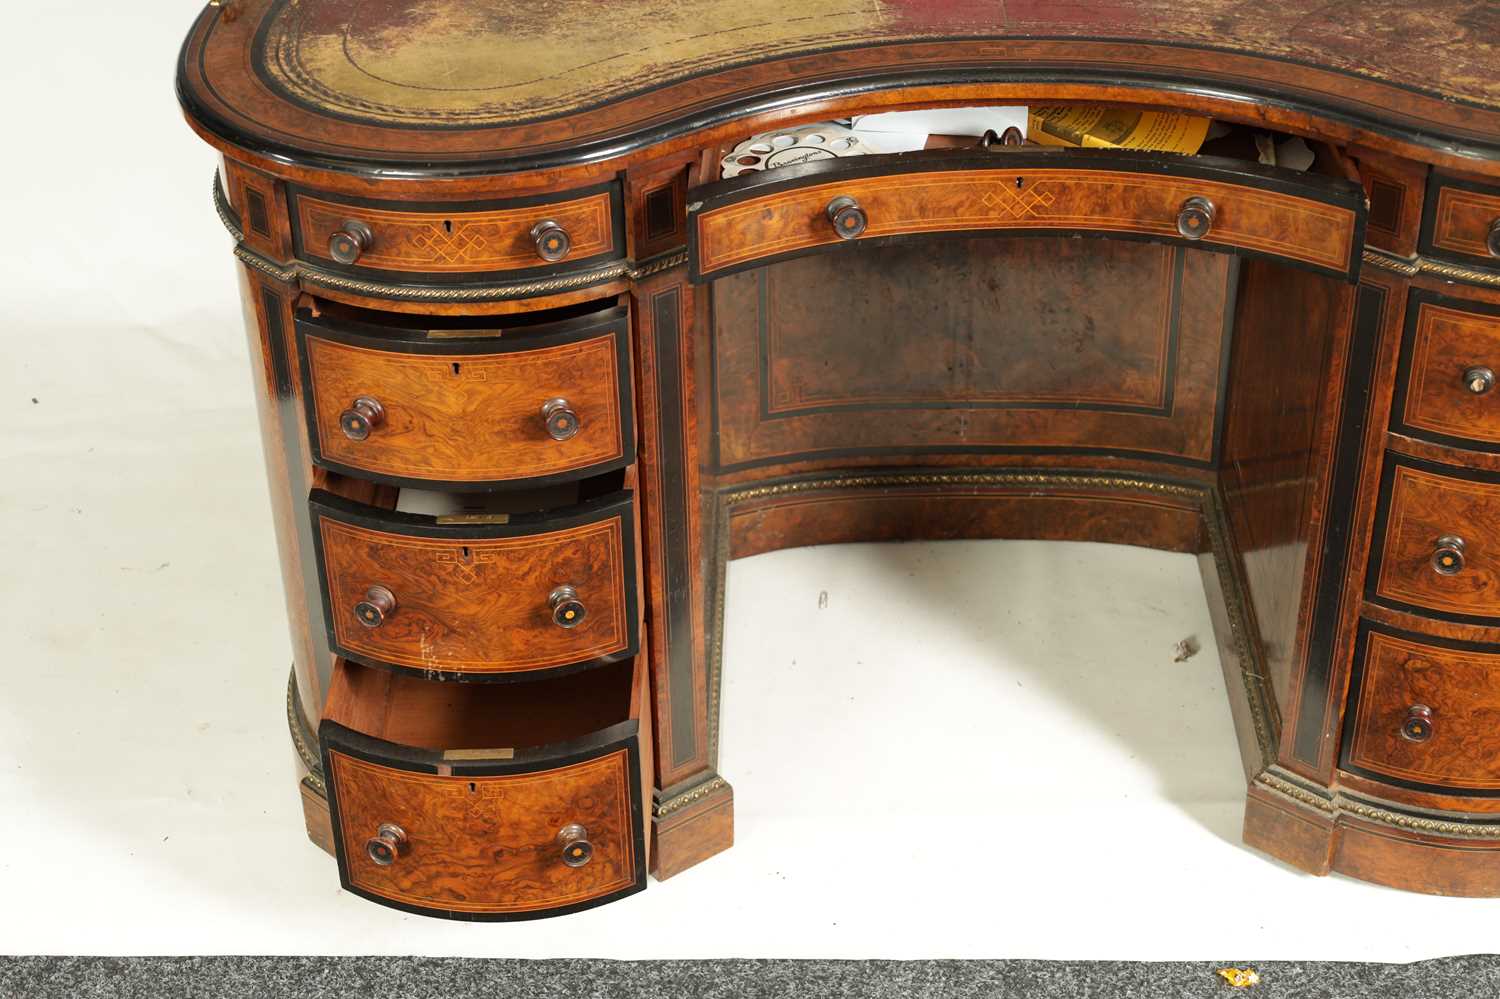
540, 405
1437, 541
1461, 222
486, 803
1450, 356
1425, 712
457, 242
1217, 203
487, 600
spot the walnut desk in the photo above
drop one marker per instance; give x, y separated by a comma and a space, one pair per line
530, 373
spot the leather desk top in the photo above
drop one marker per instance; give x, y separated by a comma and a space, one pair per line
483, 85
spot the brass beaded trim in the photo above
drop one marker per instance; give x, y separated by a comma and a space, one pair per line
226, 214
687, 798
302, 739
1412, 266
1335, 804
519, 289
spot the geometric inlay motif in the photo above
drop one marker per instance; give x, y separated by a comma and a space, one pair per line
452, 247
1017, 205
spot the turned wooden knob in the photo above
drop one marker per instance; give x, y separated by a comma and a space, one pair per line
351, 239
576, 848
1492, 239
388, 843
562, 422
362, 417
1417, 726
379, 603
552, 241
1448, 556
1479, 380
567, 610
1195, 218
847, 217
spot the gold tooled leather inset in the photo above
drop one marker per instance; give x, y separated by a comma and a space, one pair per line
496, 62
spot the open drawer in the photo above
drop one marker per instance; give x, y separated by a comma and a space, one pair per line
465, 403
1306, 219
485, 802
476, 596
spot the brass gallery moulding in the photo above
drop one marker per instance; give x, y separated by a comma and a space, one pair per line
681, 801
1279, 782
303, 738
1414, 265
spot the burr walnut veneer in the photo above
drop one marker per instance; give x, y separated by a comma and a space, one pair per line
529, 373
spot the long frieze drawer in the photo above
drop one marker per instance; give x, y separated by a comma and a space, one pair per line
1424, 713
547, 405
1310, 220
458, 241
487, 600
1445, 389
1461, 222
1437, 547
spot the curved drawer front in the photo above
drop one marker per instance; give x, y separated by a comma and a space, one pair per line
1426, 714
1437, 552
519, 835
469, 413
774, 214
1461, 222
478, 600
1445, 390
459, 241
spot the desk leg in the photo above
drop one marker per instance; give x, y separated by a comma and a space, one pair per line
693, 808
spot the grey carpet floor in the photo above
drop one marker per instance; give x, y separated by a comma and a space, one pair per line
452, 978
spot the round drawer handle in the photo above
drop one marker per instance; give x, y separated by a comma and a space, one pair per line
351, 239
1195, 218
848, 218
379, 603
552, 240
1417, 726
1479, 380
388, 843
576, 848
1492, 239
567, 610
561, 420
1448, 556
362, 417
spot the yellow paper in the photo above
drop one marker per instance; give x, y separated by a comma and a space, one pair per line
1116, 128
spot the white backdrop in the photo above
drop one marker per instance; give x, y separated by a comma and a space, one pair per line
968, 752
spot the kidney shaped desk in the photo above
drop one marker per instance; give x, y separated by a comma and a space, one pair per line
530, 373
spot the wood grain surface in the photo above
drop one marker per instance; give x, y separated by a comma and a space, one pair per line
1445, 343
1463, 690
480, 605
488, 844
1100, 201
1460, 221
454, 241
971, 345
1423, 507
470, 417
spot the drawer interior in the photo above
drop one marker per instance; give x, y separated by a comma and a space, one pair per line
536, 322
425, 714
